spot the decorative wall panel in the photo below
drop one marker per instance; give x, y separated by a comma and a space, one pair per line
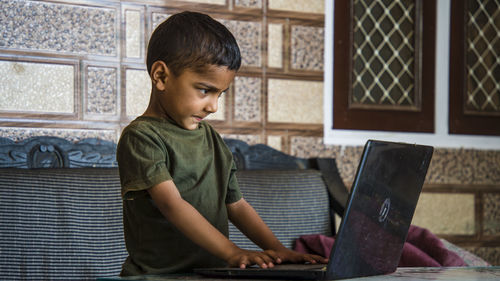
138, 91
275, 45
294, 101
247, 99
36, 87
102, 95
456, 213
19, 133
43, 26
307, 48
302, 6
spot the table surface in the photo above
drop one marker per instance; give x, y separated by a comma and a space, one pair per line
406, 274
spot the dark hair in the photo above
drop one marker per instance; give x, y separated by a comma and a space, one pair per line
192, 40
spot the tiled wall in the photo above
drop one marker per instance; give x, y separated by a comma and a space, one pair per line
75, 69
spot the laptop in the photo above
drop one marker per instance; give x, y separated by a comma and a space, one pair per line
375, 223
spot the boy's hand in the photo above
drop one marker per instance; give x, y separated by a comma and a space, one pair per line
287, 255
269, 258
244, 258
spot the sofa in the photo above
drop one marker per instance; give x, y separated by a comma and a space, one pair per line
61, 211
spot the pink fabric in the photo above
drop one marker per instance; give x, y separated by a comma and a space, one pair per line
422, 248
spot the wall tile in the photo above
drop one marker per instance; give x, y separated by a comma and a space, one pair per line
295, 101
18, 134
275, 45
133, 34
307, 48
274, 142
66, 28
308, 147
213, 2
250, 139
36, 87
464, 166
249, 37
489, 254
446, 213
102, 96
491, 213
301, 6
248, 3
158, 18
348, 162
138, 91
247, 99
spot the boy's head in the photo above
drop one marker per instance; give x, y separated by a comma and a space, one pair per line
191, 40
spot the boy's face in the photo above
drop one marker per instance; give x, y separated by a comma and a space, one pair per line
192, 96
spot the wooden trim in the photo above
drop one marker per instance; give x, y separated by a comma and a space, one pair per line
386, 120
461, 122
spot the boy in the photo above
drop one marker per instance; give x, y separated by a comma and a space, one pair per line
177, 174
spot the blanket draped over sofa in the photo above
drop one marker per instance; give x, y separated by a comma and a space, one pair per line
61, 211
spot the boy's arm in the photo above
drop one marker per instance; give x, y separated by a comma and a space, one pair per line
192, 224
246, 219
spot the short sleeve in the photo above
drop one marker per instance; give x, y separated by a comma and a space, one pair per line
233, 193
142, 163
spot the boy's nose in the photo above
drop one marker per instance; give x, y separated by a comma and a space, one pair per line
212, 104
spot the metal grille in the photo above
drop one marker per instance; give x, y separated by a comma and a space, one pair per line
385, 54
483, 57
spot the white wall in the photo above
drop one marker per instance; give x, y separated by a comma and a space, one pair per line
440, 138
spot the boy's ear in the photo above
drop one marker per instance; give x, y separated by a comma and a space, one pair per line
159, 75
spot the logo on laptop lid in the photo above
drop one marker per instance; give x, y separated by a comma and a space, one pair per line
384, 210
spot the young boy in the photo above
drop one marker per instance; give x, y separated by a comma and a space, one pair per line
177, 175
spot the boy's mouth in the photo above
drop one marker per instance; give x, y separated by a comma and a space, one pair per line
198, 118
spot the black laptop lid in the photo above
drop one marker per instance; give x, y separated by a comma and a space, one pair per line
382, 201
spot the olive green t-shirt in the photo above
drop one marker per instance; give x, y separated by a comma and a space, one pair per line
153, 150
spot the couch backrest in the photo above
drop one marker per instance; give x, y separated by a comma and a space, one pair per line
66, 223
60, 224
291, 202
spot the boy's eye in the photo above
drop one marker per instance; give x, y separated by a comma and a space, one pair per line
204, 91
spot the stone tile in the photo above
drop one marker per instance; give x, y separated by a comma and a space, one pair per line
133, 33
158, 18
295, 101
307, 48
138, 91
274, 142
74, 135
102, 95
212, 2
275, 45
249, 37
66, 28
446, 213
464, 166
489, 254
247, 99
308, 147
491, 213
348, 162
249, 139
248, 3
301, 6
37, 87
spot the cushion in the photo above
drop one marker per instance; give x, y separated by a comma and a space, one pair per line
60, 224
291, 202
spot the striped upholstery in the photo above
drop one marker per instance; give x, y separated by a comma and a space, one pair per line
291, 202
60, 224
